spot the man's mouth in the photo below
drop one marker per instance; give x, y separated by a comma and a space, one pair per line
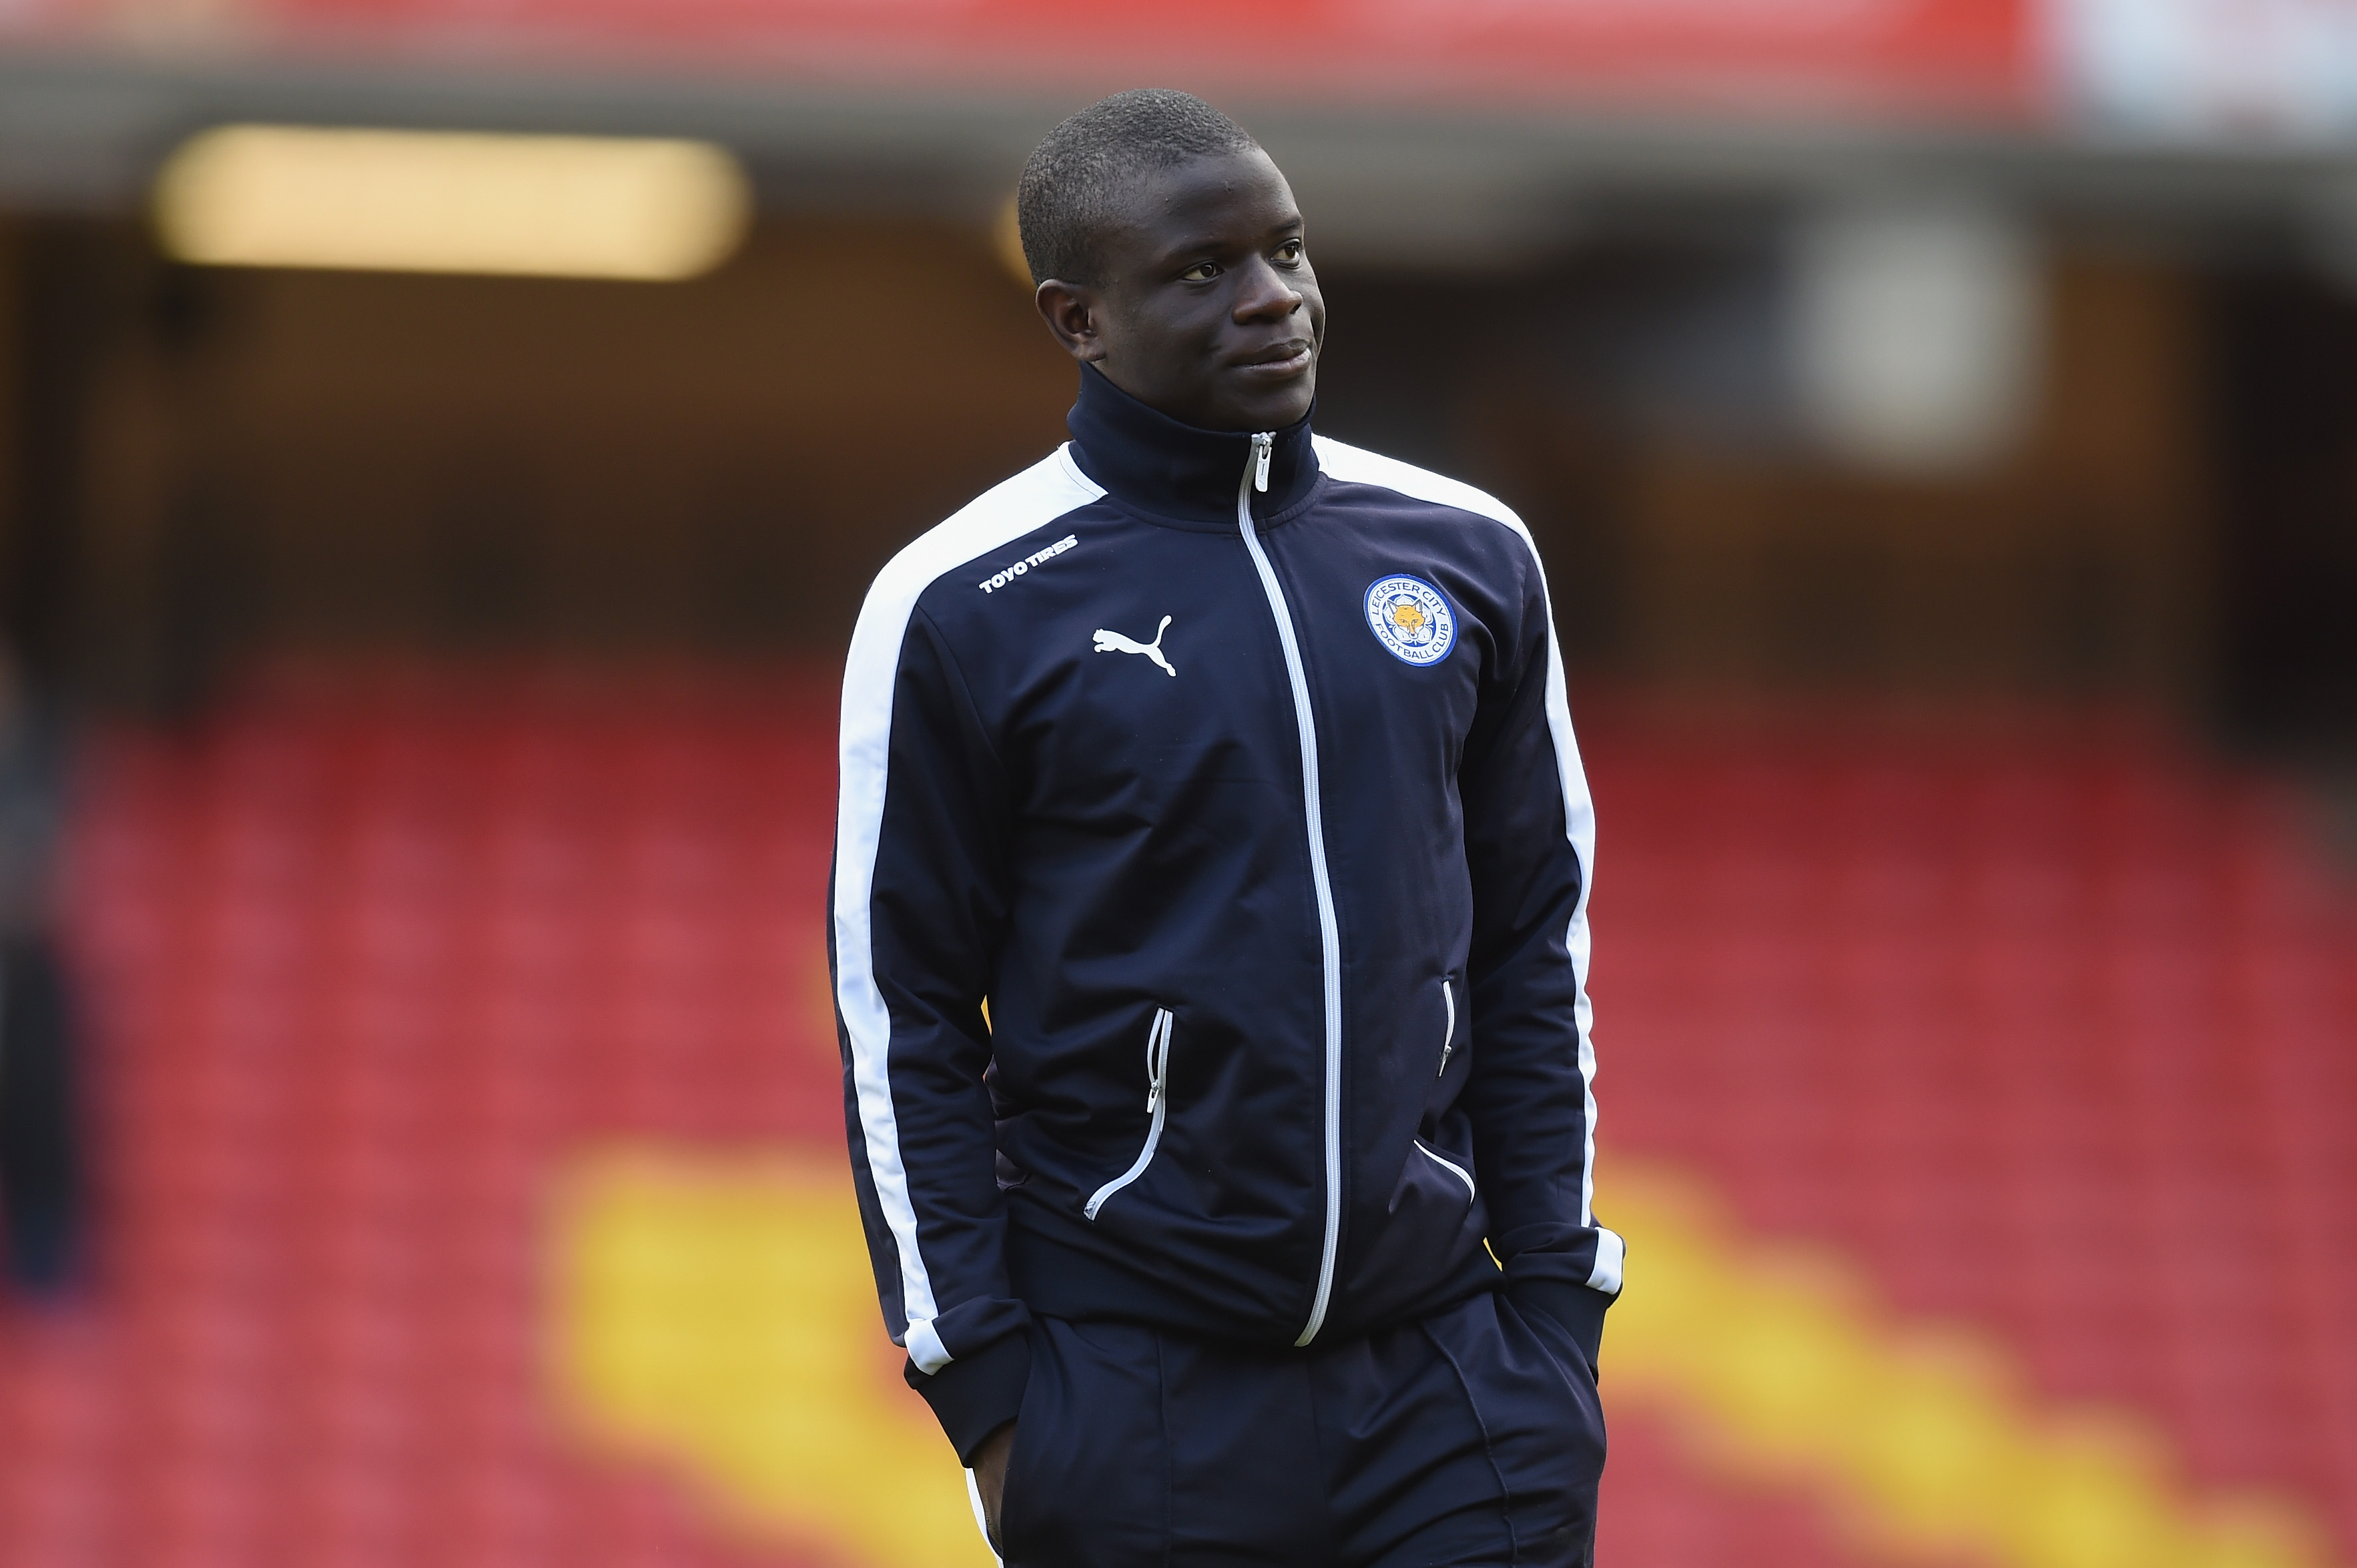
1286, 359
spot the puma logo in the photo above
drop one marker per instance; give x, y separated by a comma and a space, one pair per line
1113, 642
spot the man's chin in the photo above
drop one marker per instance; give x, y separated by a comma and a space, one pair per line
1266, 404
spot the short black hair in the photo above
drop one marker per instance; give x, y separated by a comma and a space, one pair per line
1074, 176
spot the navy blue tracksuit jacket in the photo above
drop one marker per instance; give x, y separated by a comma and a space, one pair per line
1208, 909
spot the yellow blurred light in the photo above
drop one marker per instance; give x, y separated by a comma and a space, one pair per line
715, 1314
291, 196
1781, 1365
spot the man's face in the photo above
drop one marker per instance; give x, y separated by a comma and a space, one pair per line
1206, 308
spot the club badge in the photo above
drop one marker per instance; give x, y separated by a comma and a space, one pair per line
1411, 618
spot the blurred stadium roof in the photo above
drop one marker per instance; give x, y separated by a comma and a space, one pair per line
1399, 113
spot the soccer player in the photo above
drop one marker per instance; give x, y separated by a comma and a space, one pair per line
1209, 938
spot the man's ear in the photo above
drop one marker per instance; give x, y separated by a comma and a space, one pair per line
1071, 311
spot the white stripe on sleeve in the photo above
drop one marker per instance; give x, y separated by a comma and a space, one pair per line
1610, 1252
1029, 500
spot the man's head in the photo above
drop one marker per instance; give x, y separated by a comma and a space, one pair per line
1167, 253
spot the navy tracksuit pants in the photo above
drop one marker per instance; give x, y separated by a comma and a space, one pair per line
1472, 1438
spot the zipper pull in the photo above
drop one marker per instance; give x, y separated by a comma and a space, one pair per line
1157, 1058
1263, 445
1448, 1046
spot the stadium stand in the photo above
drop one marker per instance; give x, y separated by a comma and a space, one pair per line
2048, 1026
2045, 1026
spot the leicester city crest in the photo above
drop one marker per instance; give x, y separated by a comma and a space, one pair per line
1409, 616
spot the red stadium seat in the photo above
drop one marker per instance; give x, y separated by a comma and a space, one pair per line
2054, 1035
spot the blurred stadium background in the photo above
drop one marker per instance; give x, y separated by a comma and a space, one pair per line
424, 560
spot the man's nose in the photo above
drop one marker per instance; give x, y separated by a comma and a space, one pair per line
1267, 295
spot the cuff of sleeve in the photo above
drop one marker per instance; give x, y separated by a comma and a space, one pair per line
975, 1395
1577, 1309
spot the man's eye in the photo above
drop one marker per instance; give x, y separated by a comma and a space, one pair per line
1290, 253
1201, 271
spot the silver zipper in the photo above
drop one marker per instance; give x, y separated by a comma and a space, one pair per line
1158, 1104
1448, 1040
1329, 939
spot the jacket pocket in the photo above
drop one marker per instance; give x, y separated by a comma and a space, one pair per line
1451, 1166
1448, 1035
1157, 1105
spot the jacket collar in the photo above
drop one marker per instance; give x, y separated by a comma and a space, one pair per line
1151, 463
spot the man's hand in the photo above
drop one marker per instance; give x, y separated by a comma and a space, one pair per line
990, 1478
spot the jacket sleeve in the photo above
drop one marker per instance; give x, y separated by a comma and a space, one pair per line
1530, 836
918, 904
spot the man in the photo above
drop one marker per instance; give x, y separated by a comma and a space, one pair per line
40, 1178
1209, 942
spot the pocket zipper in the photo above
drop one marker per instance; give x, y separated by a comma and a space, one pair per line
1448, 1041
1451, 1166
1158, 1065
